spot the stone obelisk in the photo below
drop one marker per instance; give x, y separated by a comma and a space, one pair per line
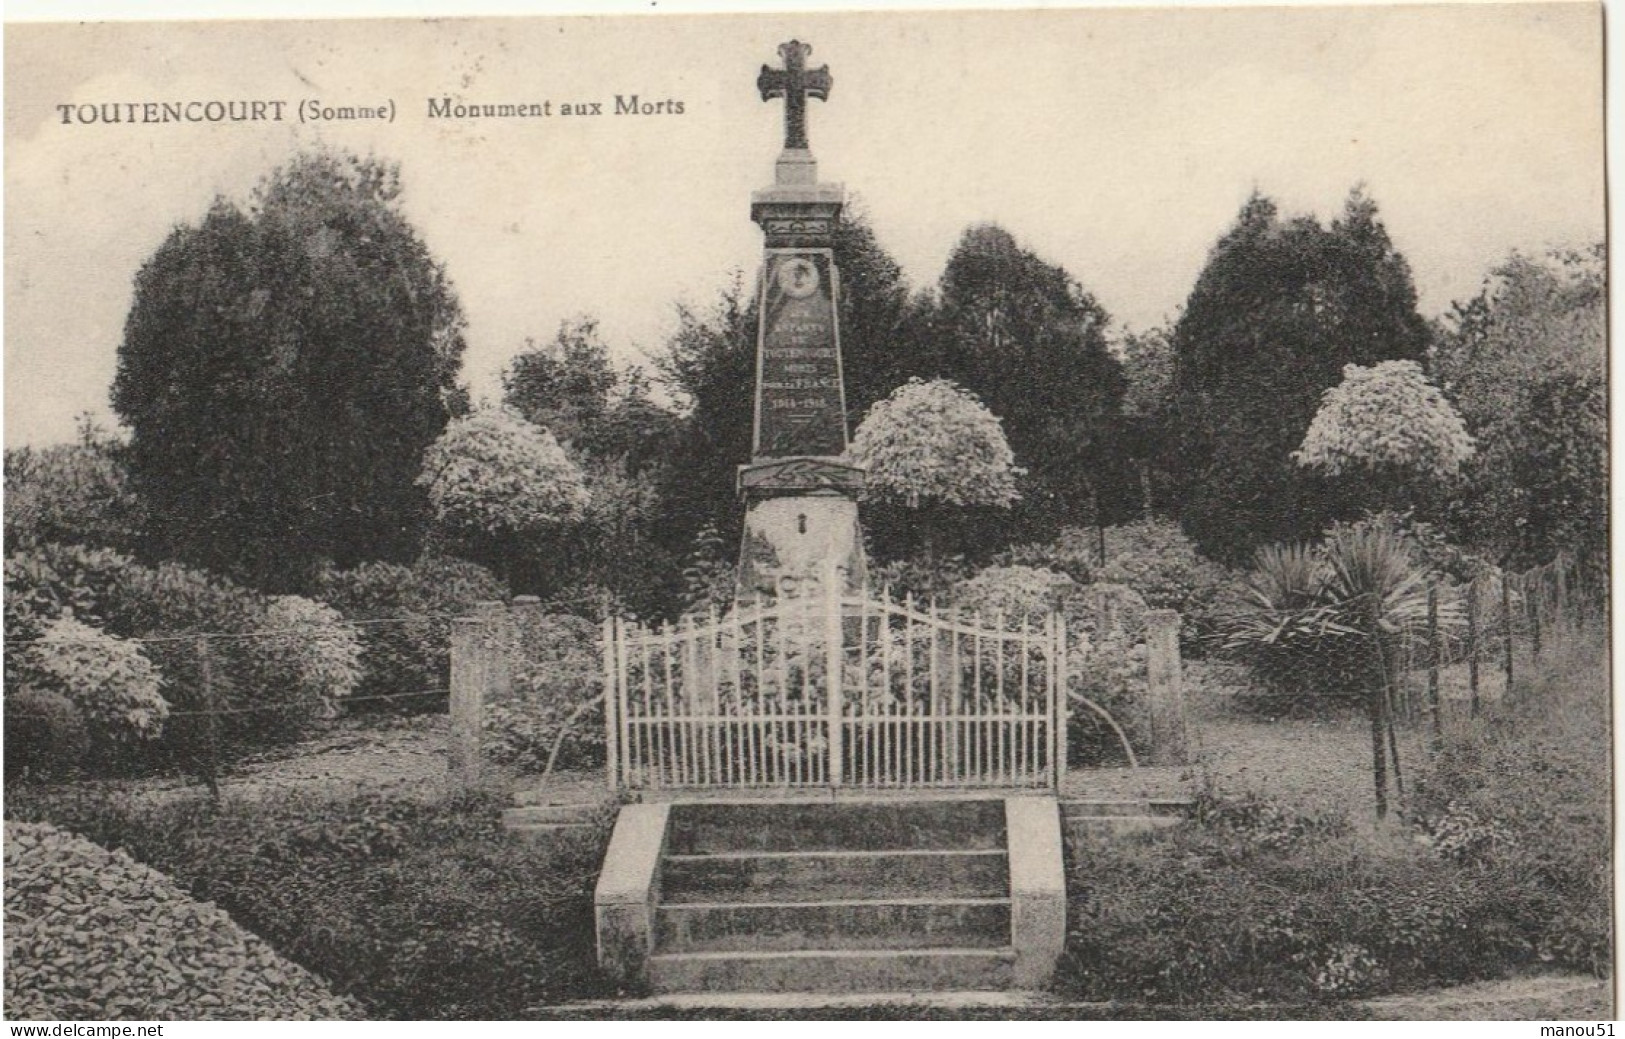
801, 510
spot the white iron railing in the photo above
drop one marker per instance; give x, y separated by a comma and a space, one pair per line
836, 690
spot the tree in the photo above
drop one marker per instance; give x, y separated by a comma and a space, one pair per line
932, 448
1280, 308
1148, 397
1526, 361
1028, 340
1388, 427
499, 486
76, 494
283, 367
564, 386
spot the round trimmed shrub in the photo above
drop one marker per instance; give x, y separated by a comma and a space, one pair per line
114, 686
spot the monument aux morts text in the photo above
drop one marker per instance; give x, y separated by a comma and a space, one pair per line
801, 518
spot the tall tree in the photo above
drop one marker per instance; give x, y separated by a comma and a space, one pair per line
1027, 339
562, 386
1526, 360
283, 367
1280, 308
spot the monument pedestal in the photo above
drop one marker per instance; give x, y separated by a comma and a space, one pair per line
801, 508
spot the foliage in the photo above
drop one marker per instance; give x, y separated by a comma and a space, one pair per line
408, 613
1525, 361
493, 473
563, 386
1157, 560
111, 683
153, 953
418, 910
45, 733
321, 654
927, 580
1386, 418
1280, 308
1524, 801
1253, 902
1013, 592
283, 367
934, 443
72, 494
557, 674
47, 581
1030, 341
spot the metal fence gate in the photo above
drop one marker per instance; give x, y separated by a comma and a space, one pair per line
836, 690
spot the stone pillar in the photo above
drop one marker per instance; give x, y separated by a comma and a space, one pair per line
1165, 693
499, 636
628, 891
1037, 888
470, 676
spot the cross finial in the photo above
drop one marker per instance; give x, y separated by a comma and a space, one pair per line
795, 83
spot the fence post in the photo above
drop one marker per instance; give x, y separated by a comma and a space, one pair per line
612, 705
470, 678
1531, 606
1434, 652
1059, 692
1165, 688
500, 640
1506, 632
1472, 646
1561, 609
211, 723
833, 668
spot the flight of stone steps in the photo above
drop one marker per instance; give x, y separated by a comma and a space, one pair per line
826, 897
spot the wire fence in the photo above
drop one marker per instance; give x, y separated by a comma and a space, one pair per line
1442, 652
1480, 636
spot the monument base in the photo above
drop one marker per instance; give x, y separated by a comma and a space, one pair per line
792, 542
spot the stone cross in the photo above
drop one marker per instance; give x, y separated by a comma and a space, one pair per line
795, 82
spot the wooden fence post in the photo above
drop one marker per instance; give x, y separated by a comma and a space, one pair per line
1472, 646
1434, 652
1165, 688
211, 720
470, 678
1506, 631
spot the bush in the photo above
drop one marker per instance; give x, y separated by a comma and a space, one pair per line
113, 686
557, 675
320, 655
258, 680
1252, 902
408, 658
1156, 559
1153, 557
417, 910
1013, 592
45, 733
152, 952
1524, 802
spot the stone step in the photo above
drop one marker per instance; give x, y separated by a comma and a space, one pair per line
826, 876
698, 829
846, 924
912, 970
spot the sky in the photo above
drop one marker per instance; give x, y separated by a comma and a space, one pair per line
1117, 142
